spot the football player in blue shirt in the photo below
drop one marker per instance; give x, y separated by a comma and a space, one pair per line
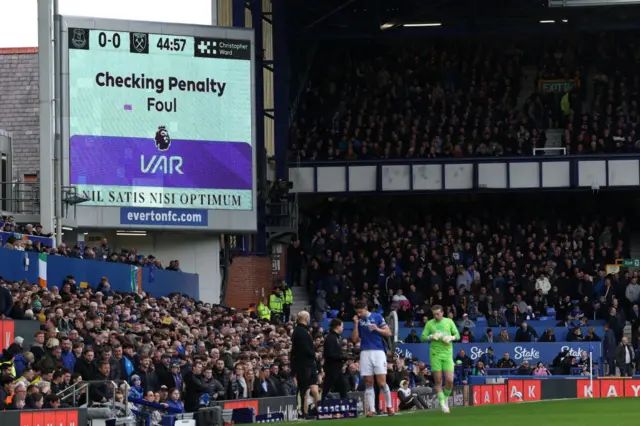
371, 329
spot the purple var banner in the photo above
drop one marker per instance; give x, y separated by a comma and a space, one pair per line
166, 163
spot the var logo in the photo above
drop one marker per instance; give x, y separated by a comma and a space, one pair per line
158, 163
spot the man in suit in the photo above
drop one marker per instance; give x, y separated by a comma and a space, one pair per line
624, 358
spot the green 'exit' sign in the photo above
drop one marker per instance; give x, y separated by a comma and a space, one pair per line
631, 263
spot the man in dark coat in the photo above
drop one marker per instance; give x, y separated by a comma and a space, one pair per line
303, 360
148, 377
194, 388
263, 386
609, 348
163, 371
6, 302
625, 356
334, 357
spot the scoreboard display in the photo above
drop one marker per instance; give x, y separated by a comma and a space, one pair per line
160, 120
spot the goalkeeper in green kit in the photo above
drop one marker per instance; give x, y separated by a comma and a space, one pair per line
441, 332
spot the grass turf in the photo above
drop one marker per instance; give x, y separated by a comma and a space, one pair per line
585, 412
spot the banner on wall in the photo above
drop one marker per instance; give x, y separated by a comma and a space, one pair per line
50, 417
608, 388
514, 391
510, 392
519, 352
4, 236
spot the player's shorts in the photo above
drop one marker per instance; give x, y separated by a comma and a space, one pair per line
442, 363
306, 378
373, 363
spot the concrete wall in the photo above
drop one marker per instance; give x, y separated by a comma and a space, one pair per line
19, 106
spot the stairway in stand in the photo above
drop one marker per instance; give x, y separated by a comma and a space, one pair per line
300, 300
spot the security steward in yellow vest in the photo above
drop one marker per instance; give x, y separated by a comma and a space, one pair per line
264, 313
276, 304
287, 295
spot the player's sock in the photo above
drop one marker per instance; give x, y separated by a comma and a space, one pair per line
447, 393
386, 392
441, 398
369, 395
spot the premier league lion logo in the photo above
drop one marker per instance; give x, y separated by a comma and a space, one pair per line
163, 140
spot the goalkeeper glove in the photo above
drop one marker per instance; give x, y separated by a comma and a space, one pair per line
448, 339
435, 336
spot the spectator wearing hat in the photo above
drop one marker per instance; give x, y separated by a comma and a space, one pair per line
14, 349
176, 376
136, 390
163, 371
276, 305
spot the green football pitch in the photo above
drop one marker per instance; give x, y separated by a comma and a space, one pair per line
586, 412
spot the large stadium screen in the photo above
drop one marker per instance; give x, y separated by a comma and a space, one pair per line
160, 120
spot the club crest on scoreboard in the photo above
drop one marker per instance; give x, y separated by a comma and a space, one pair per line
79, 38
139, 42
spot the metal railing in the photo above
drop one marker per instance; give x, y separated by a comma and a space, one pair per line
20, 197
549, 151
70, 395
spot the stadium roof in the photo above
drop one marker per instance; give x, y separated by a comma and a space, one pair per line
336, 19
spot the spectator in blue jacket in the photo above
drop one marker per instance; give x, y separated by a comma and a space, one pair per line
68, 357
174, 400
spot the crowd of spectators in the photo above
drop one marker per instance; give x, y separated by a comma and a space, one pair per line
508, 271
458, 99
169, 348
174, 352
443, 100
101, 252
609, 123
183, 354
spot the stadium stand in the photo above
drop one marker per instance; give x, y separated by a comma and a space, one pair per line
451, 99
515, 273
538, 278
30, 238
492, 275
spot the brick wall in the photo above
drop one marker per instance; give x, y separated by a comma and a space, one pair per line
247, 275
19, 106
